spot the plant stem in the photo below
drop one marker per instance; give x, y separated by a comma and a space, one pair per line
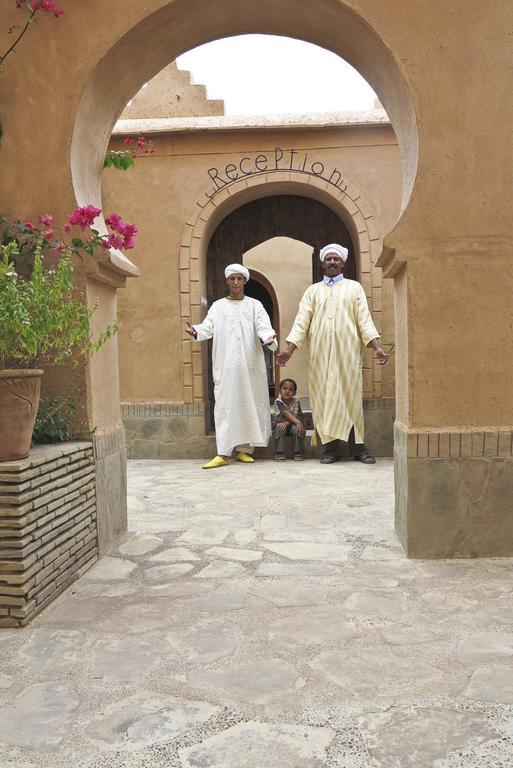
13, 46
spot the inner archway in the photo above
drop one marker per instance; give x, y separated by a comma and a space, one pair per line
277, 219
294, 216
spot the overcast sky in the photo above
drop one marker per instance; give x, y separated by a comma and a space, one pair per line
264, 74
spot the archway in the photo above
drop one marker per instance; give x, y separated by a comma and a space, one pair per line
301, 218
349, 209
150, 39
183, 24
293, 216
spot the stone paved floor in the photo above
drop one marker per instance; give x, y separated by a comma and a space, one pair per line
264, 616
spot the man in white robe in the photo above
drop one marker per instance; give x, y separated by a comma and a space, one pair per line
335, 317
239, 325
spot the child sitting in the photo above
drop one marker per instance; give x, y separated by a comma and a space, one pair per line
288, 420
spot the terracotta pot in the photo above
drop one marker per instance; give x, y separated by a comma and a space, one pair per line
19, 401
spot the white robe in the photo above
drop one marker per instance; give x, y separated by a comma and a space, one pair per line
241, 412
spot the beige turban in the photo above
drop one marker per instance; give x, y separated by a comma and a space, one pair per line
237, 269
334, 248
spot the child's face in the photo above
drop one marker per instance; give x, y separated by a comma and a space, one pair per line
287, 391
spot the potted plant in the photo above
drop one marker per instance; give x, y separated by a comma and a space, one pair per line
44, 320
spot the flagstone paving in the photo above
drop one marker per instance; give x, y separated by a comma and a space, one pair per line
264, 616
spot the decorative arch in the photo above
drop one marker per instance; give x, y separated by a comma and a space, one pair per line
150, 39
348, 203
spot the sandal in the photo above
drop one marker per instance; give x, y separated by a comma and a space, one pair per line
365, 457
329, 459
279, 457
298, 457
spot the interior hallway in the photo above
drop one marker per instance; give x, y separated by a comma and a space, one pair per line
264, 616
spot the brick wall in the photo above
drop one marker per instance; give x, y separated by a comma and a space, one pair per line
48, 529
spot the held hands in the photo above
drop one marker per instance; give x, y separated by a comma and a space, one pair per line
190, 330
282, 358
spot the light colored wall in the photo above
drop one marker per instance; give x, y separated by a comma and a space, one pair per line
160, 192
287, 264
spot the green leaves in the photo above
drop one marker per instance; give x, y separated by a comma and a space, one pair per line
43, 321
121, 160
59, 419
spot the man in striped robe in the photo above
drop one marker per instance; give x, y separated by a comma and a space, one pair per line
334, 316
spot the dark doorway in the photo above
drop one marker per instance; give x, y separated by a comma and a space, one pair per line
277, 216
257, 289
294, 216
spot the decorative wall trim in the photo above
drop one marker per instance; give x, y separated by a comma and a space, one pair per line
379, 404
162, 409
458, 444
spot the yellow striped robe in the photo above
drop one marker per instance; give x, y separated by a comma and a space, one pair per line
337, 322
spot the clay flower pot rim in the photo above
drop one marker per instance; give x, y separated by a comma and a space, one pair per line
12, 373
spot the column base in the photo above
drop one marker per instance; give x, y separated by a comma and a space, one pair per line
454, 493
111, 488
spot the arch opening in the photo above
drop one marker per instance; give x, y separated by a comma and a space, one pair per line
184, 24
278, 237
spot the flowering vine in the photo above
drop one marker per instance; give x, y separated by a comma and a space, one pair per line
28, 234
36, 9
125, 158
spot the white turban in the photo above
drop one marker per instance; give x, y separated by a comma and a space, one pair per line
237, 269
334, 248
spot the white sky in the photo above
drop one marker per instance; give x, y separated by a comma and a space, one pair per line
264, 74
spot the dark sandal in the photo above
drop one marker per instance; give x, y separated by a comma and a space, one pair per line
298, 457
279, 457
365, 458
329, 459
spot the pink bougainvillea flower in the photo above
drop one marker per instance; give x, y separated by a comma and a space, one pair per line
113, 221
33, 6
115, 241
46, 220
47, 234
29, 224
59, 248
67, 227
84, 217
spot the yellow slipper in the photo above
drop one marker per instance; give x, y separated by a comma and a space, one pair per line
217, 461
245, 457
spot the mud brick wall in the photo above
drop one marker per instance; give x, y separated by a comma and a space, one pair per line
48, 532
